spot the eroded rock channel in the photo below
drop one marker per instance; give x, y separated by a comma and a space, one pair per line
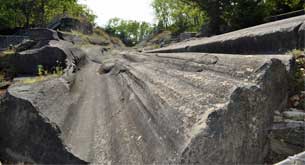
125, 107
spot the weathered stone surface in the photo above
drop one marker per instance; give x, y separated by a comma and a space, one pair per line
131, 108
71, 38
25, 45
69, 24
287, 138
295, 115
54, 54
98, 41
275, 37
40, 34
186, 36
27, 135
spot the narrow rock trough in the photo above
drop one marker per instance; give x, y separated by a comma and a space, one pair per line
125, 107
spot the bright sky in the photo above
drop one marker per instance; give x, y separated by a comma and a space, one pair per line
139, 10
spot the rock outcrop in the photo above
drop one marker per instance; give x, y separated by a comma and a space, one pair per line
124, 107
287, 135
69, 24
150, 108
275, 37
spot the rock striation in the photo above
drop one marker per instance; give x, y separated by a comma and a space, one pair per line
125, 107
132, 108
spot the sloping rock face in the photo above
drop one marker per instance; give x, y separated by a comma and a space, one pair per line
40, 34
131, 108
27, 136
275, 37
30, 136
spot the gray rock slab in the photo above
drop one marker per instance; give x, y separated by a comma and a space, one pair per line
287, 138
295, 115
148, 108
275, 37
39, 34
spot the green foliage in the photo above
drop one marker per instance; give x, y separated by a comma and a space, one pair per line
25, 13
2, 77
33, 80
129, 31
9, 52
299, 75
58, 70
218, 16
177, 16
40, 70
282, 6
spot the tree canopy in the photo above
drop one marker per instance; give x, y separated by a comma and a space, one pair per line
177, 16
129, 31
219, 15
25, 13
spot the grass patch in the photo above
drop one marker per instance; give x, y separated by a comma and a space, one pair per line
9, 52
44, 74
299, 75
34, 80
2, 77
298, 100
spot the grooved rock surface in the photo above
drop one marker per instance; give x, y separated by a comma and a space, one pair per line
131, 108
275, 37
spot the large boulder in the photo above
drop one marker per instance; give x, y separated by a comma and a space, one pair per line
54, 54
30, 136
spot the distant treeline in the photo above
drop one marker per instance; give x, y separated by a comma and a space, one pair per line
129, 31
38, 13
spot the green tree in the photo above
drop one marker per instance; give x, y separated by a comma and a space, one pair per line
284, 6
25, 13
178, 16
243, 13
129, 31
228, 15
